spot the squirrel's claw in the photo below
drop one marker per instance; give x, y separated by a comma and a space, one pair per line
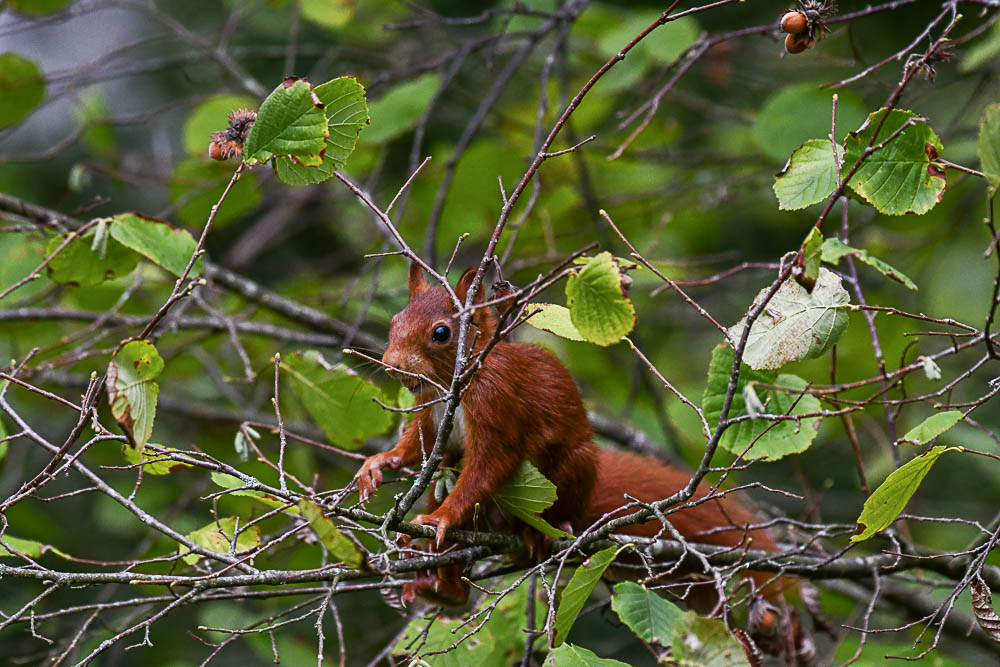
440, 523
370, 475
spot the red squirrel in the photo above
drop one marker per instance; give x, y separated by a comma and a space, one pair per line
522, 404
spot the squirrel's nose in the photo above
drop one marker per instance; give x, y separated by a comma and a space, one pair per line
392, 357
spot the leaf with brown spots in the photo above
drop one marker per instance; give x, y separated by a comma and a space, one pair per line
80, 265
902, 176
796, 324
982, 605
131, 390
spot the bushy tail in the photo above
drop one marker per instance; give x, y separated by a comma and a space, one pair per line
720, 521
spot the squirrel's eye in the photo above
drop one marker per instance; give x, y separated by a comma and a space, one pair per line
440, 334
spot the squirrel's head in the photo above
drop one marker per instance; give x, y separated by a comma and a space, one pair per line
423, 337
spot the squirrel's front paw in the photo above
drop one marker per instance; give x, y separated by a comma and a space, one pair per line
441, 523
370, 475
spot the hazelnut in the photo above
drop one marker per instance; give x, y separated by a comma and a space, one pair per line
799, 43
794, 23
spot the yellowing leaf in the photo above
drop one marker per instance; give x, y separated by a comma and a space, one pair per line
218, 537
154, 462
340, 547
809, 176
131, 390
834, 249
706, 642
553, 318
271, 500
891, 497
932, 427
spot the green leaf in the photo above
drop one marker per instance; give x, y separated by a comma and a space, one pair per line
80, 266
38, 7
154, 462
834, 249
989, 143
131, 390
405, 399
772, 440
3, 434
218, 536
292, 122
99, 138
706, 642
271, 500
598, 306
328, 13
19, 257
932, 427
338, 400
809, 176
475, 650
552, 318
30, 548
569, 655
210, 116
498, 641
902, 177
648, 615
196, 184
22, 88
526, 495
665, 44
156, 240
340, 547
889, 499
795, 324
811, 251
573, 597
796, 114
347, 115
983, 51
401, 108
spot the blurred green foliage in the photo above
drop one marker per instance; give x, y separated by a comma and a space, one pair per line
693, 193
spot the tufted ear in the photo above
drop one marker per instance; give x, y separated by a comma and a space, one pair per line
418, 282
484, 318
465, 282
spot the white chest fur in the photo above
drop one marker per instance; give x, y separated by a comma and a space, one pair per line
457, 436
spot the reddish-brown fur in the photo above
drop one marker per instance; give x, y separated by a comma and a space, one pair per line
721, 521
523, 404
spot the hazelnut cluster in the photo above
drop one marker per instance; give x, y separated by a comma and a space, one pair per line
804, 24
